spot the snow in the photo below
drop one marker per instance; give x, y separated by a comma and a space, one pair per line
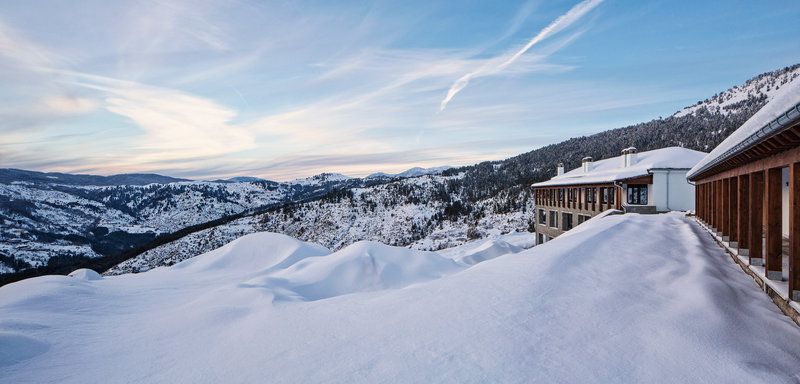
362, 267
480, 251
787, 97
412, 172
85, 274
608, 170
623, 298
320, 179
725, 103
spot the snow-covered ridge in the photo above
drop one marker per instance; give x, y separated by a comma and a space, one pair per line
417, 213
764, 86
321, 179
412, 172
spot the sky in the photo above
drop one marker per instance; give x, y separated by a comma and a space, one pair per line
290, 89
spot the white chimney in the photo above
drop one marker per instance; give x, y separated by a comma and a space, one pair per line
560, 169
587, 164
632, 159
624, 158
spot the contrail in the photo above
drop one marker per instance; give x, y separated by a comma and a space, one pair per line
563, 21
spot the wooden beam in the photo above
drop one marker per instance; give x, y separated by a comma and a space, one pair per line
774, 257
794, 231
714, 196
733, 211
725, 210
756, 203
744, 215
719, 204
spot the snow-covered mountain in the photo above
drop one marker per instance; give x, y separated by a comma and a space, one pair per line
594, 305
761, 88
55, 218
412, 172
417, 213
10, 175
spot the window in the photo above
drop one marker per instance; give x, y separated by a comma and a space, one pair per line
553, 219
637, 194
611, 193
566, 221
603, 195
588, 195
582, 218
542, 217
540, 238
561, 194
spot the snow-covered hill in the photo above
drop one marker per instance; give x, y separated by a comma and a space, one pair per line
761, 88
43, 221
412, 172
594, 305
417, 213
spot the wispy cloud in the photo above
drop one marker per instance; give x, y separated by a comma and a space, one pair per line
562, 22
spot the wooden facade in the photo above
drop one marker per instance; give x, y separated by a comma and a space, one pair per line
741, 197
572, 202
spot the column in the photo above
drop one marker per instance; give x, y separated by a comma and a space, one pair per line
726, 197
706, 205
756, 203
744, 215
794, 231
773, 260
720, 206
697, 210
713, 201
584, 196
733, 212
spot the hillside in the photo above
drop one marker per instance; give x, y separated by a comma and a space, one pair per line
69, 218
416, 213
672, 309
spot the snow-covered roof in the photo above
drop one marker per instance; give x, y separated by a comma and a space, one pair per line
783, 108
610, 170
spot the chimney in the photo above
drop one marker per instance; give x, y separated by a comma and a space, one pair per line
632, 159
624, 158
587, 164
560, 169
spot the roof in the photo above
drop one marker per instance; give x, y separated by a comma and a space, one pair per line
610, 170
781, 110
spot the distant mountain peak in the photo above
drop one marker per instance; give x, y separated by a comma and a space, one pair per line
412, 172
9, 175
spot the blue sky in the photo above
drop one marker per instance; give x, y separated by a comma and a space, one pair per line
290, 89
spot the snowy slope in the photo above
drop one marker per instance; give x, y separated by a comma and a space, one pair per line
763, 86
595, 305
781, 101
412, 172
402, 213
40, 220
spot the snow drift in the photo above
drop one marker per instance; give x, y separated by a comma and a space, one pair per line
626, 298
85, 274
361, 267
